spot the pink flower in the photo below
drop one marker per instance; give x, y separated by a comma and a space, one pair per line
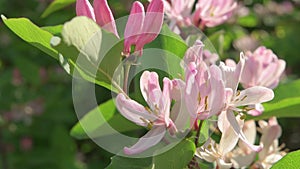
101, 13
140, 29
211, 13
270, 154
197, 54
262, 68
179, 11
236, 98
143, 28
156, 116
205, 92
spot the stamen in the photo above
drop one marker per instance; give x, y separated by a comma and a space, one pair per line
244, 98
148, 110
206, 103
199, 98
238, 93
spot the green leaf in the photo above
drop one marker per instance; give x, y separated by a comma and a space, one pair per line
169, 41
285, 104
55, 6
54, 30
118, 162
31, 33
99, 51
290, 161
204, 133
176, 158
96, 122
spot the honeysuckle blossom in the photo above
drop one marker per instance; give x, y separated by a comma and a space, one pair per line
213, 152
271, 153
242, 156
156, 116
205, 92
210, 13
235, 98
262, 68
141, 27
179, 11
197, 54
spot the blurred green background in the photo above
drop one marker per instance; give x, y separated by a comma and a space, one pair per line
36, 110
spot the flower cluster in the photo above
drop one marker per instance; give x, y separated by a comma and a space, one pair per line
227, 91
209, 90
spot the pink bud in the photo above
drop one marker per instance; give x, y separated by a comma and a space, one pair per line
84, 8
104, 16
133, 26
152, 24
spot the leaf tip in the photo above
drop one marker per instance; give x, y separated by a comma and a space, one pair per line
55, 41
3, 17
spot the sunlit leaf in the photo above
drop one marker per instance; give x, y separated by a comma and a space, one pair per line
290, 161
31, 33
285, 104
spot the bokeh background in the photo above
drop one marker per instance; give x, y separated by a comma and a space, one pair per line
36, 110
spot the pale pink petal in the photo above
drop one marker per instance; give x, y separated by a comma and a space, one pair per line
229, 138
223, 165
165, 103
243, 160
179, 116
133, 26
253, 95
152, 23
249, 130
237, 129
150, 139
134, 111
150, 88
217, 96
104, 16
84, 8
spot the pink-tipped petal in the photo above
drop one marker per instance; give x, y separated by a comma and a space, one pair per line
84, 8
104, 16
133, 26
150, 139
165, 104
134, 111
152, 23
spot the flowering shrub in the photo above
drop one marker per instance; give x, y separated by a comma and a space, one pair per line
190, 106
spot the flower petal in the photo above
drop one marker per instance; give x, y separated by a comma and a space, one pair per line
133, 26
150, 139
104, 16
253, 95
229, 138
150, 88
84, 8
152, 23
134, 111
237, 129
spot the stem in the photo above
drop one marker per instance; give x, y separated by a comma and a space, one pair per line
198, 132
126, 76
193, 163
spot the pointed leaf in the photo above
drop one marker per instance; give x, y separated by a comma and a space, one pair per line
290, 161
31, 33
